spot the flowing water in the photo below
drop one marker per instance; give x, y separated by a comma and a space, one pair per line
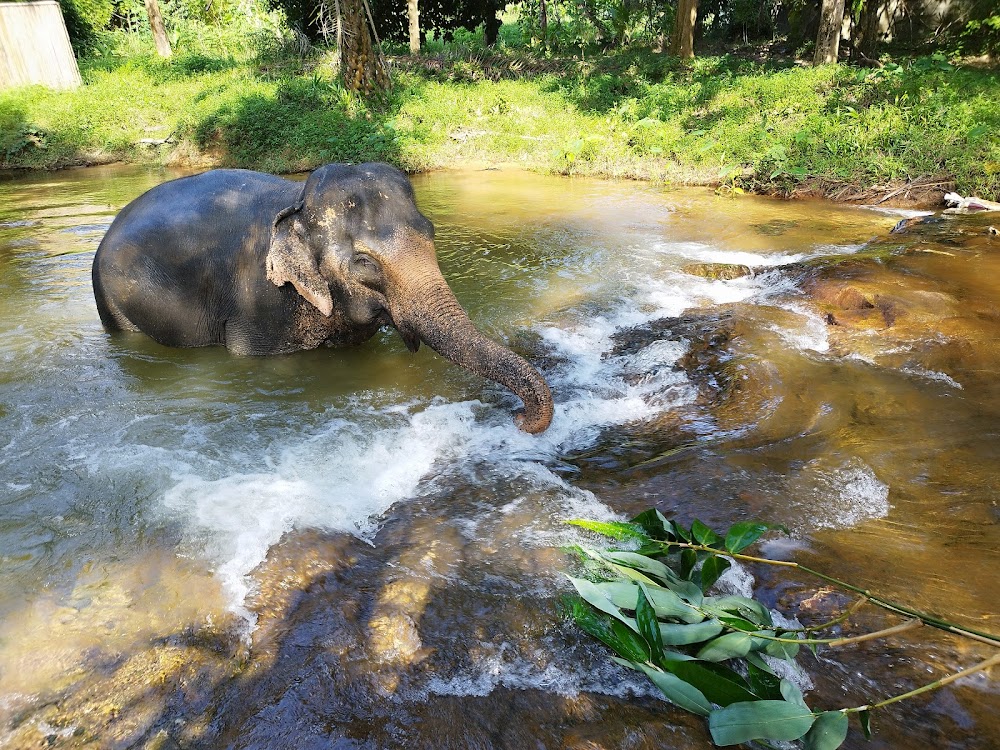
358, 549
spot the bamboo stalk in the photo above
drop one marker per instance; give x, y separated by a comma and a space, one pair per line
983, 665
875, 599
901, 628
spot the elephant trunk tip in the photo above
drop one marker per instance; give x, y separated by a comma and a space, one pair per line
536, 416
534, 424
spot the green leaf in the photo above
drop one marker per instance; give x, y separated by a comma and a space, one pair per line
665, 602
688, 559
782, 650
703, 534
689, 591
654, 523
672, 634
711, 569
594, 595
742, 535
681, 532
759, 720
978, 131
649, 626
670, 655
631, 573
791, 693
763, 681
758, 643
757, 661
827, 733
626, 663
865, 717
668, 604
609, 631
625, 532
678, 691
641, 562
630, 563
738, 623
719, 683
749, 609
729, 646
620, 593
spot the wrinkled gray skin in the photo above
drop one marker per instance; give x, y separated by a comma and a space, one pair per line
264, 265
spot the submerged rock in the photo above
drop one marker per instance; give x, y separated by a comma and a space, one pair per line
718, 271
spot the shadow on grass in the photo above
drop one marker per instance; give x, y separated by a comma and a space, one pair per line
18, 136
296, 129
666, 82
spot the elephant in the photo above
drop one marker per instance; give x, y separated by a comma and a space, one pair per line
264, 266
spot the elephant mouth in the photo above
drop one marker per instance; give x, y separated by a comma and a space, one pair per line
410, 337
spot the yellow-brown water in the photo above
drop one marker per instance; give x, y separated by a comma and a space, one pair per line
358, 548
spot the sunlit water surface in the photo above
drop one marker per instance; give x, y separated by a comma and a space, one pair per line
412, 534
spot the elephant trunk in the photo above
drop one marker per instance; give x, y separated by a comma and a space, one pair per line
430, 313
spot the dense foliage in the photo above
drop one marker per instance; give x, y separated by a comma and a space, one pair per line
962, 26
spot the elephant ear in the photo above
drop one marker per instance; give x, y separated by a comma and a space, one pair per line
289, 259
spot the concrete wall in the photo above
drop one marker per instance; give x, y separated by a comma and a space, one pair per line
34, 46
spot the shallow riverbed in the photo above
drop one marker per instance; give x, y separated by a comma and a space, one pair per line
357, 548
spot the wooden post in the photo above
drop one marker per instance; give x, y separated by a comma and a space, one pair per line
159, 32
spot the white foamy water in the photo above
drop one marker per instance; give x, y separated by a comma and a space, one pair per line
940, 377
698, 252
811, 332
547, 666
837, 495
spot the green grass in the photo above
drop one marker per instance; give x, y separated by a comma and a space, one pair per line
240, 100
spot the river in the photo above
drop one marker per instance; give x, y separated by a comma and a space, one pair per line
358, 549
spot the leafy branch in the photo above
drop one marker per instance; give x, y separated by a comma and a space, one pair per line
649, 603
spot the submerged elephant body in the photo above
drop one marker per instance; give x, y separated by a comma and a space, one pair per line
264, 265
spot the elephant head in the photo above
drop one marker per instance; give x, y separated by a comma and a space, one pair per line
355, 243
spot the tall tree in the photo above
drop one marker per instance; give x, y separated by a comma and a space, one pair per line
831, 21
682, 41
362, 64
543, 21
159, 32
865, 35
413, 14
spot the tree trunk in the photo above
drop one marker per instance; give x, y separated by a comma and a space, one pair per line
543, 21
362, 66
682, 40
413, 13
159, 32
491, 24
831, 21
866, 31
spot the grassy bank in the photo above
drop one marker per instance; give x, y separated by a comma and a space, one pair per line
771, 126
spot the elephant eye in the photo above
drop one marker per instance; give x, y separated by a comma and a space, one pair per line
365, 264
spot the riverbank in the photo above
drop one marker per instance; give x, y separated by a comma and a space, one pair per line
769, 126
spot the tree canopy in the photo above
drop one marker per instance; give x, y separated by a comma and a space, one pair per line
969, 27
